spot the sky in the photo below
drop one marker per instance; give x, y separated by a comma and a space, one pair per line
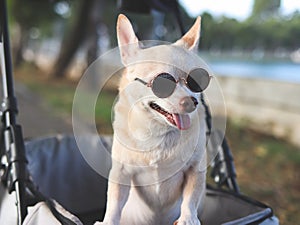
239, 9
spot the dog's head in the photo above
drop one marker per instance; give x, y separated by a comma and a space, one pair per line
159, 76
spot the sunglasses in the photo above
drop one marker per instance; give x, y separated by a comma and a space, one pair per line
164, 84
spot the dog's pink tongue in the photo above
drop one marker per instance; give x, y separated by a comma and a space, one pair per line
183, 122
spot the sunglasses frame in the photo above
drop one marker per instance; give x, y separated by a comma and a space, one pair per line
150, 83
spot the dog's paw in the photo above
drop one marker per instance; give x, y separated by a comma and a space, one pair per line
188, 221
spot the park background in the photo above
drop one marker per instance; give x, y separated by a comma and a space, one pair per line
255, 56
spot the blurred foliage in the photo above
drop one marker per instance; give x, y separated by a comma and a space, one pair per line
269, 34
31, 19
265, 30
222, 33
33, 13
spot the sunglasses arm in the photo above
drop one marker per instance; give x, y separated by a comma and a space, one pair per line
140, 80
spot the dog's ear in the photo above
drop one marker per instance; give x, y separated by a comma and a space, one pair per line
190, 40
127, 41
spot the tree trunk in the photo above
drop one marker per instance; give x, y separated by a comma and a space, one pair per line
73, 39
93, 31
18, 49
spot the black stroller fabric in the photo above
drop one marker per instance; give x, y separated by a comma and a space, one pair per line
61, 173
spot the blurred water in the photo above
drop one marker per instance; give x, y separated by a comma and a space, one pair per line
273, 70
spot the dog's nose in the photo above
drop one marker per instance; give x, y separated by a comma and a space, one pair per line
188, 104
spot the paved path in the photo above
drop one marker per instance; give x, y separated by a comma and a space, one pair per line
36, 118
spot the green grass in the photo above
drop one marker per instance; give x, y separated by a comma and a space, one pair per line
267, 167
103, 111
60, 97
268, 170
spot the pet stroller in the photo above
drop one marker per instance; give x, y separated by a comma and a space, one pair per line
70, 191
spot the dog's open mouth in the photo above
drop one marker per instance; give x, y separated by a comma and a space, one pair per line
181, 121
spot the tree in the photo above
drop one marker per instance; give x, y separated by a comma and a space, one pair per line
88, 17
263, 9
73, 38
27, 14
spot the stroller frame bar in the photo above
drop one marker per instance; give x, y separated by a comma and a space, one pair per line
14, 174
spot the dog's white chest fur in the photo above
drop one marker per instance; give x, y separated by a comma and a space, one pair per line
158, 203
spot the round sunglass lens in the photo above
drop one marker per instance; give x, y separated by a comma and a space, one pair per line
163, 85
198, 80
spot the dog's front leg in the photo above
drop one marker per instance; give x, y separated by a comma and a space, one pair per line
117, 195
193, 195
